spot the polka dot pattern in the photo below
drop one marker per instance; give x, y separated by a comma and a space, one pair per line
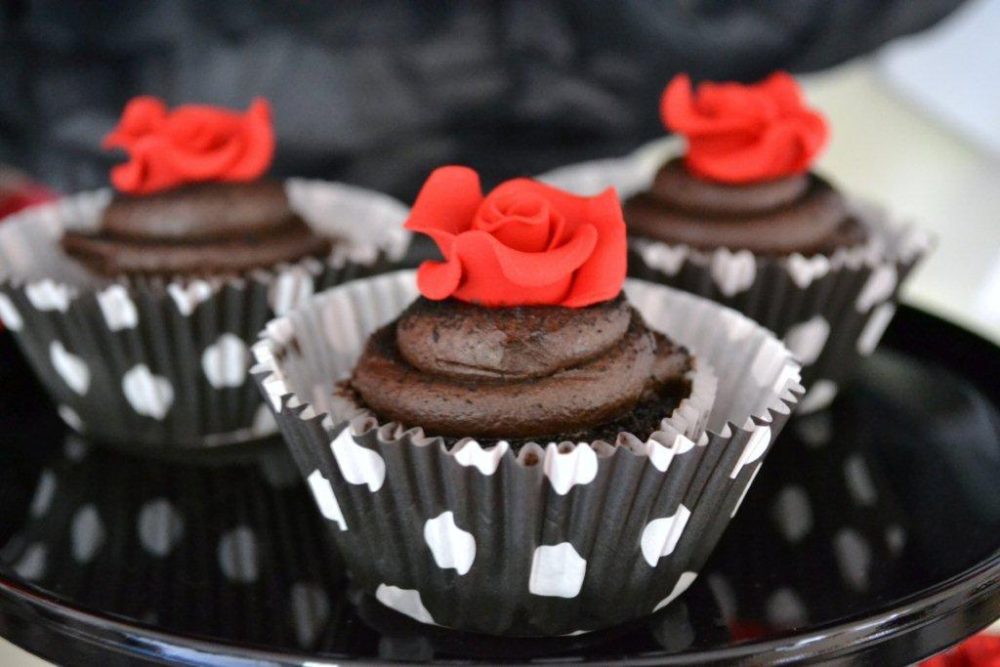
224, 362
149, 394
90, 341
87, 533
238, 555
160, 527
71, 368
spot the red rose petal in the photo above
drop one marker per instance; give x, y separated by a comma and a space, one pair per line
194, 143
524, 244
447, 202
744, 133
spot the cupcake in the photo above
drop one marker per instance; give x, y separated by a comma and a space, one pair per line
505, 442
136, 308
738, 217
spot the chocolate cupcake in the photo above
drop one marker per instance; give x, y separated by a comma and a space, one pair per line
205, 229
740, 219
137, 309
522, 374
541, 454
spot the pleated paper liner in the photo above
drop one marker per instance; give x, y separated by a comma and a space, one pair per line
554, 539
829, 310
162, 365
218, 552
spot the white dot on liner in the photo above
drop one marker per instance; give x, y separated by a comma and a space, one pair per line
876, 325
118, 308
291, 289
567, 468
188, 297
880, 286
785, 610
451, 546
405, 601
733, 272
660, 536
854, 558
895, 539
44, 493
238, 556
70, 417
263, 422
819, 396
149, 395
807, 339
87, 533
724, 596
859, 481
71, 368
160, 527
225, 362
683, 583
358, 465
815, 430
9, 314
47, 295
325, 499
75, 448
793, 513
557, 571
310, 611
31, 564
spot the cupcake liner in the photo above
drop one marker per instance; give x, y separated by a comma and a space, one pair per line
217, 552
557, 538
162, 364
830, 310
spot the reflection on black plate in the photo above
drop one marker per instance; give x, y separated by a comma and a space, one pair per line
847, 534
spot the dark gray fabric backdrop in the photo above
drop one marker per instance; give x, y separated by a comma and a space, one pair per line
379, 92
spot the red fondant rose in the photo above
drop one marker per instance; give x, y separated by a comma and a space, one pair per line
191, 144
523, 244
744, 134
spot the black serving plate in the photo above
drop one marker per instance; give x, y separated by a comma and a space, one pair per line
872, 535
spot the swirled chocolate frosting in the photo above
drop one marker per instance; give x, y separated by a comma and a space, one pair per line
458, 370
797, 214
203, 229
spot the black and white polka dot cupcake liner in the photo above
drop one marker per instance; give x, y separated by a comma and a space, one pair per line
163, 364
830, 310
554, 539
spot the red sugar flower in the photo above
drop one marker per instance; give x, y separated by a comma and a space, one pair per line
744, 133
524, 243
191, 144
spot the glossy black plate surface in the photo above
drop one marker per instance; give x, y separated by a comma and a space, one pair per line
872, 535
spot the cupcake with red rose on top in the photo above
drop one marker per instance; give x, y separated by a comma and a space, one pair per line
512, 440
737, 215
136, 307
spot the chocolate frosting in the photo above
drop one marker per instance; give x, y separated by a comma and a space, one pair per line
457, 369
203, 229
801, 213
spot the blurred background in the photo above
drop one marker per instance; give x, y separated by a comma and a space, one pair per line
381, 92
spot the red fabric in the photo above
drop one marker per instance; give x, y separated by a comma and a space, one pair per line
744, 133
29, 195
979, 651
523, 244
191, 144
